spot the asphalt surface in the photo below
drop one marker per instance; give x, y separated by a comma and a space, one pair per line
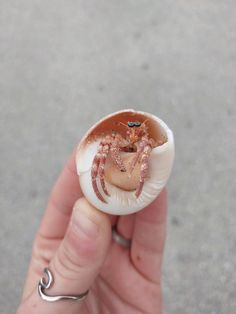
64, 65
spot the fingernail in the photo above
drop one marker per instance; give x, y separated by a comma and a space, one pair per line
86, 225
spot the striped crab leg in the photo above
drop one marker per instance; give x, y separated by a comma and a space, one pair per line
144, 166
94, 173
101, 169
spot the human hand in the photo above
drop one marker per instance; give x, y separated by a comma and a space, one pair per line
74, 242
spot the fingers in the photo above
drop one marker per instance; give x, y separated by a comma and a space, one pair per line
55, 221
78, 260
149, 238
63, 196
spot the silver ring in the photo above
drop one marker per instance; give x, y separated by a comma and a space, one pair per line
42, 286
119, 239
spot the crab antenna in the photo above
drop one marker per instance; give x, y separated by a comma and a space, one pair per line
123, 124
145, 121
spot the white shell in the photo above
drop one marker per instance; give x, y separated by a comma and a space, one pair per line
122, 202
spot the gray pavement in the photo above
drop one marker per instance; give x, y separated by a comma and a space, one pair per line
65, 64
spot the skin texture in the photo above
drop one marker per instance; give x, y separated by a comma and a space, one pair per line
74, 240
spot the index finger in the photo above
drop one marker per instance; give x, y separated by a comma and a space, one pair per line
63, 196
54, 223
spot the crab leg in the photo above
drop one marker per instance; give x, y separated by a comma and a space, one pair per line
144, 168
94, 172
141, 146
101, 167
115, 149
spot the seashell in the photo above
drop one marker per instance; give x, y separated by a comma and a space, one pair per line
121, 185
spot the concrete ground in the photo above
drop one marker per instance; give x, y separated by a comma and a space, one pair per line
64, 65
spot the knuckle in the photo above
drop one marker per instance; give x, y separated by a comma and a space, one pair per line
67, 265
38, 252
78, 245
44, 248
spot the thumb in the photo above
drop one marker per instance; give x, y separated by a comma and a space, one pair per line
82, 252
77, 261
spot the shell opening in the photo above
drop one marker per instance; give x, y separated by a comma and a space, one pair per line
127, 180
123, 195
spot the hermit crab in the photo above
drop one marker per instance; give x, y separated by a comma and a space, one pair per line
124, 161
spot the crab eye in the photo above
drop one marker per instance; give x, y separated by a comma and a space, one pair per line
137, 124
131, 124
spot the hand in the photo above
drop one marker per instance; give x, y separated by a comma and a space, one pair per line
74, 240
